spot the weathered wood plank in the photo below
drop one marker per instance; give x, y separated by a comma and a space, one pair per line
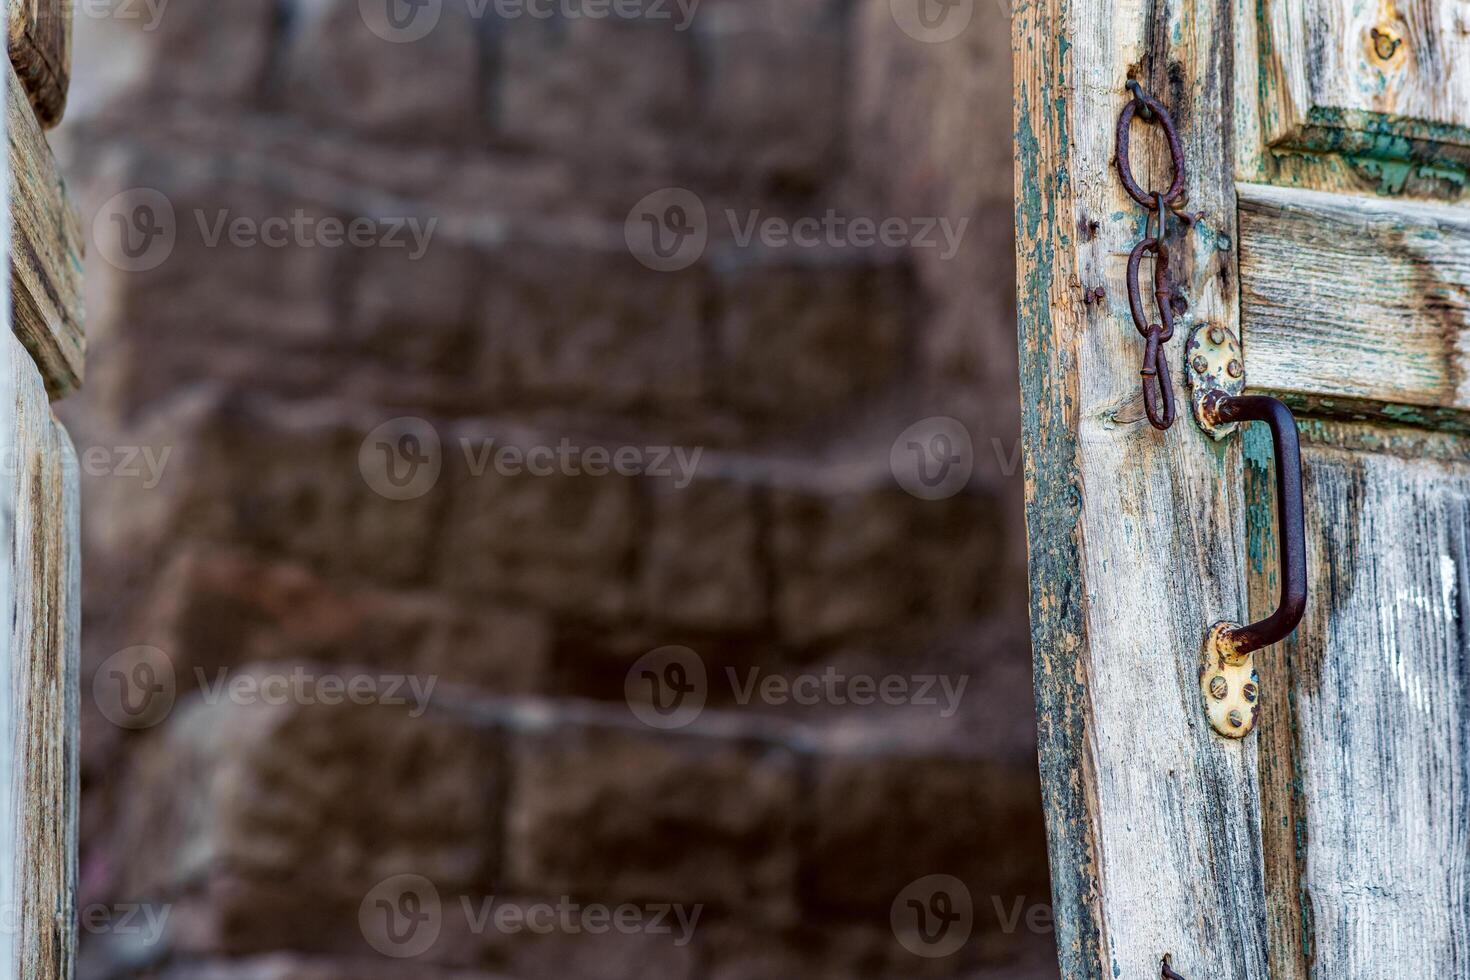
40, 51
46, 252
38, 700
1137, 538
1362, 76
1372, 869
1361, 298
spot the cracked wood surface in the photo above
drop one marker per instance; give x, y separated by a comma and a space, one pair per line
1333, 72
1137, 538
1354, 297
38, 704
46, 248
39, 585
39, 35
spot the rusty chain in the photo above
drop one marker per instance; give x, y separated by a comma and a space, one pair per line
1157, 387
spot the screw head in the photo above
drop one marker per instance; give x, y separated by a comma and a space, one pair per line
1217, 336
1201, 365
1235, 369
1236, 719
1219, 687
1250, 691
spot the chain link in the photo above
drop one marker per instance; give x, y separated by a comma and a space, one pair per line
1158, 390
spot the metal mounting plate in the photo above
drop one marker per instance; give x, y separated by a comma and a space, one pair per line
1230, 685
1215, 363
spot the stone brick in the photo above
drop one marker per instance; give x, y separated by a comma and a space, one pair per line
856, 560
701, 564
629, 814
222, 278
328, 799
292, 967
804, 336
215, 608
563, 541
930, 124
599, 92
577, 324
417, 314
880, 821
210, 50
340, 73
773, 111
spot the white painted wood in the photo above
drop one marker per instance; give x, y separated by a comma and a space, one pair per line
1382, 697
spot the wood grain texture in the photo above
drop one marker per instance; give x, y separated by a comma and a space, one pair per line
1355, 297
46, 252
39, 716
1371, 865
1137, 538
40, 51
1360, 76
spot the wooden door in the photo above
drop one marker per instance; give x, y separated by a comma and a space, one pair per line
1328, 146
40, 359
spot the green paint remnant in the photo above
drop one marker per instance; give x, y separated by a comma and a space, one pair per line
1260, 518
1447, 172
1391, 175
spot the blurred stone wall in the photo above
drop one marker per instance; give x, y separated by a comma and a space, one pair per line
603, 583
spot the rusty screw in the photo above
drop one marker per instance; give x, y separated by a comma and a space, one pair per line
1385, 43
1236, 719
1250, 692
1235, 369
1217, 336
1219, 687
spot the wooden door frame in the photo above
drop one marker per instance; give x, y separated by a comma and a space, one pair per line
1137, 538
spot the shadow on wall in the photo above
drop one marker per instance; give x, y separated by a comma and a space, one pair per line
551, 500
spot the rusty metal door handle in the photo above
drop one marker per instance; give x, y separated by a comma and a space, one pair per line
1224, 409
1228, 679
